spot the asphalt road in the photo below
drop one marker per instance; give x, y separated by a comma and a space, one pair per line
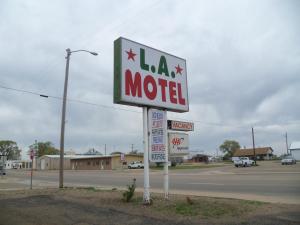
270, 181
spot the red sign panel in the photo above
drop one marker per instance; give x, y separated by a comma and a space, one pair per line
31, 154
179, 125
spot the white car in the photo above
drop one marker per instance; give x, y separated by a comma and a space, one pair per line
243, 161
288, 160
136, 165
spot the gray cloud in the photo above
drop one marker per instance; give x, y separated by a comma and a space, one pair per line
243, 61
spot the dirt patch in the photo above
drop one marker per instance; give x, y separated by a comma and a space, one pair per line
92, 206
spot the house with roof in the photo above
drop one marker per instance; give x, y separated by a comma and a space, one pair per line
104, 162
87, 162
52, 162
198, 158
261, 153
295, 149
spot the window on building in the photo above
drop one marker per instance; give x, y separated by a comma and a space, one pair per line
89, 163
107, 162
97, 163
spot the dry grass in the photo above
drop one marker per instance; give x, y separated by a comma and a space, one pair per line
182, 209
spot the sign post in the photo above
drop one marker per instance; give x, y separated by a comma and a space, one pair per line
146, 154
31, 172
166, 165
149, 78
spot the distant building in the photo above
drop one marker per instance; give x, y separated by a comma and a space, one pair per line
51, 162
198, 158
295, 150
108, 162
13, 164
262, 153
17, 164
87, 162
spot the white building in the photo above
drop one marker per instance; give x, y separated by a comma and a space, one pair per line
12, 164
295, 149
17, 164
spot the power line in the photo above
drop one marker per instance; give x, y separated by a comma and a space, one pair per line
118, 108
70, 100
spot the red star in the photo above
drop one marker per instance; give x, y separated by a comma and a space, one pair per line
131, 54
178, 69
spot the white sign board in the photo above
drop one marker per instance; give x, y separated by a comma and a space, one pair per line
144, 76
178, 143
158, 135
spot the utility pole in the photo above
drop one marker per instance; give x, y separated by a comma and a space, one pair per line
63, 115
286, 142
104, 149
63, 121
253, 142
131, 148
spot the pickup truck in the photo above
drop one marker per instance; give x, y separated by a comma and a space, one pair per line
136, 165
243, 161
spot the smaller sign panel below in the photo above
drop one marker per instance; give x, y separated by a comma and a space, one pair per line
158, 131
180, 125
178, 143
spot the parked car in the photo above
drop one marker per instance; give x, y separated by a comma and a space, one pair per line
243, 161
136, 165
288, 160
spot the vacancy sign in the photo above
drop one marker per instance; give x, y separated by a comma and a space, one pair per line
158, 135
178, 143
144, 76
180, 125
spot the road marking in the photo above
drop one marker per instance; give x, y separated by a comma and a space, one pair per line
208, 183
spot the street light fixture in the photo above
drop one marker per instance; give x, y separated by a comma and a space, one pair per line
63, 116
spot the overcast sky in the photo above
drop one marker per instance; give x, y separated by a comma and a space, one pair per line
243, 63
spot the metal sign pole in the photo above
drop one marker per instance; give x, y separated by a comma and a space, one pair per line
2, 169
166, 166
146, 156
31, 170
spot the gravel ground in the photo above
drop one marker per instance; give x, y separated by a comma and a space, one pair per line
91, 207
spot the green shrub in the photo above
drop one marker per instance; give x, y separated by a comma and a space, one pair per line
127, 195
173, 163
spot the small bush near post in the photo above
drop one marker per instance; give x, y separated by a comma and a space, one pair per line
127, 195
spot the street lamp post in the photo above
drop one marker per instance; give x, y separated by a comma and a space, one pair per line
253, 143
63, 115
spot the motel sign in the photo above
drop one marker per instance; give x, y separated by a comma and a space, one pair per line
144, 76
